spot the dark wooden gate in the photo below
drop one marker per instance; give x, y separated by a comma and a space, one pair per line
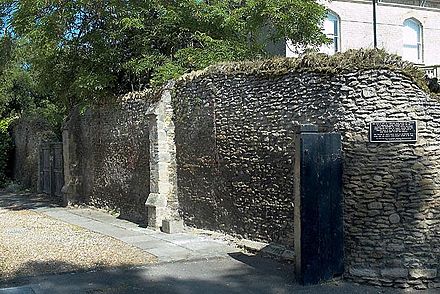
51, 169
318, 206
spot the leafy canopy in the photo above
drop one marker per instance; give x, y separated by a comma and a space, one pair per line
20, 92
78, 49
5, 149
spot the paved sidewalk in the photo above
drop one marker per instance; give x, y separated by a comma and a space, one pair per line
167, 247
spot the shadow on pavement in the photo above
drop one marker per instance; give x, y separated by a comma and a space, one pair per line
24, 201
261, 263
213, 277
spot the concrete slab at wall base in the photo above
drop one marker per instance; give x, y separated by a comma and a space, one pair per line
156, 210
172, 226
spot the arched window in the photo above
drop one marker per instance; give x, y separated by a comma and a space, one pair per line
331, 29
412, 41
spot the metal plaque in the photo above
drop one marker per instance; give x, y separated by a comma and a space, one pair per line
393, 131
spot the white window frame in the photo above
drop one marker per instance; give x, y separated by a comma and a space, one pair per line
331, 48
335, 35
411, 23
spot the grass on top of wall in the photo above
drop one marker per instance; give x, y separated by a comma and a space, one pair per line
349, 61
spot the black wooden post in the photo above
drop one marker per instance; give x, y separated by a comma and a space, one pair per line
318, 205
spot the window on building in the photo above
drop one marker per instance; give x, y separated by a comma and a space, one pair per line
331, 29
412, 41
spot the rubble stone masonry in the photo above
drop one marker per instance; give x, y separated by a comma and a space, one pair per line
28, 134
120, 156
233, 161
235, 152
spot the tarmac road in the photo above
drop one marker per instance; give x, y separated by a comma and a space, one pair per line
237, 273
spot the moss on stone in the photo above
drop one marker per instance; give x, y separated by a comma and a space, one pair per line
349, 61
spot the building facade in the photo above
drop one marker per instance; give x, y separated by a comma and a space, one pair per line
409, 28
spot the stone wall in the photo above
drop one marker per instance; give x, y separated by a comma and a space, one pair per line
234, 154
217, 149
234, 134
112, 153
28, 133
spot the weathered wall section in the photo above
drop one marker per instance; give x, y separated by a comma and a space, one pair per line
235, 152
111, 153
28, 133
234, 145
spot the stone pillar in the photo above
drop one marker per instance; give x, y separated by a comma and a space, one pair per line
162, 198
71, 191
66, 165
40, 170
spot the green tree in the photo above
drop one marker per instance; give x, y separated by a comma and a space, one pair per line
5, 149
79, 49
20, 92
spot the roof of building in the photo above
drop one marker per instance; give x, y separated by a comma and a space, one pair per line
420, 3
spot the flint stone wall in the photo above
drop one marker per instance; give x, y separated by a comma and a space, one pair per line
111, 156
28, 133
234, 135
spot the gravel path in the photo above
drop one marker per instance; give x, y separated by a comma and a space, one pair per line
34, 244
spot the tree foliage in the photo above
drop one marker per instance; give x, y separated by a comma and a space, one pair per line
20, 92
79, 49
5, 149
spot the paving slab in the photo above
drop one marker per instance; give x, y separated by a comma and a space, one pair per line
59, 214
145, 231
149, 244
189, 240
119, 233
207, 245
48, 208
137, 238
97, 215
104, 217
93, 225
180, 237
68, 217
81, 222
166, 247
171, 252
